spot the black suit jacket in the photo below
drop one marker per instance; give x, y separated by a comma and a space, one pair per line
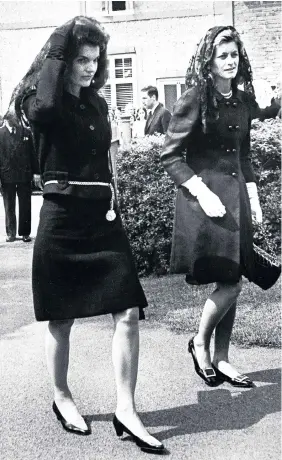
159, 121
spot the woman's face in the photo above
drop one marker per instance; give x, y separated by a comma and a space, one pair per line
81, 71
225, 61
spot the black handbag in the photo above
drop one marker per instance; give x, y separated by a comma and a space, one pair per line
267, 268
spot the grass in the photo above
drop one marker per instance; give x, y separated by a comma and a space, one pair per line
178, 306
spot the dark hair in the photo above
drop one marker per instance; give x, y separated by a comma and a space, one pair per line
151, 91
199, 72
85, 31
88, 31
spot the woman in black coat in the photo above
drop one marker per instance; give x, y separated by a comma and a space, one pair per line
82, 263
217, 194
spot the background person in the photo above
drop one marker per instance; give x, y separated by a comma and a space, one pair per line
139, 124
158, 117
217, 194
82, 263
18, 167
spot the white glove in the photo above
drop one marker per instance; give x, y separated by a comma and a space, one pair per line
37, 181
209, 201
254, 202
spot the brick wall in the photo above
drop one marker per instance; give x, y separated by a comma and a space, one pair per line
259, 24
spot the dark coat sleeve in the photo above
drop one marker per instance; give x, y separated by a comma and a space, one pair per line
165, 120
184, 117
245, 160
270, 111
45, 104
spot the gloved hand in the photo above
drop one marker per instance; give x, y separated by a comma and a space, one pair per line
59, 40
254, 202
209, 201
37, 181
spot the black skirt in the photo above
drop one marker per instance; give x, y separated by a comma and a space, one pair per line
82, 263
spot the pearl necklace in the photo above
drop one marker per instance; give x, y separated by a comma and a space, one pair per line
227, 95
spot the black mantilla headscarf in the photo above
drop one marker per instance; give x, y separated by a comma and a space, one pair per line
199, 70
85, 30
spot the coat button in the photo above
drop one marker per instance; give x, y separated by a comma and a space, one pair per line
234, 104
91, 127
230, 128
96, 176
237, 127
234, 174
234, 150
227, 103
82, 106
93, 151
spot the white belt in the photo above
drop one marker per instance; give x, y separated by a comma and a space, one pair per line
111, 215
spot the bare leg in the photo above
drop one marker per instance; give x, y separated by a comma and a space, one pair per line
215, 309
57, 354
223, 333
125, 355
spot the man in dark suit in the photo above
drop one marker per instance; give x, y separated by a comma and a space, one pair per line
18, 167
158, 117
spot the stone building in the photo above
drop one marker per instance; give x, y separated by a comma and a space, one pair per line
151, 41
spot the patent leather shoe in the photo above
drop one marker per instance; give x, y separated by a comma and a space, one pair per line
68, 426
144, 446
241, 381
208, 374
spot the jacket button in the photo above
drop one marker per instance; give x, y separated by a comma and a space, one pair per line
227, 150
234, 150
91, 127
230, 128
234, 174
82, 106
234, 104
227, 103
237, 127
93, 151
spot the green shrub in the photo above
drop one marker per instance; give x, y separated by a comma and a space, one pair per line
147, 196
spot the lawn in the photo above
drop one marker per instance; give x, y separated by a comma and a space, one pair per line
178, 306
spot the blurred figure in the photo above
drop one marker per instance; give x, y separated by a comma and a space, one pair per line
139, 124
158, 117
18, 166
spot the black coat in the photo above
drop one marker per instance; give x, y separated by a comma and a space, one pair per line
211, 249
72, 135
18, 161
159, 121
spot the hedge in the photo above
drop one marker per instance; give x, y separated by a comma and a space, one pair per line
147, 196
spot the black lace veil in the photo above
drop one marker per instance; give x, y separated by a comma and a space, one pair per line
199, 70
86, 30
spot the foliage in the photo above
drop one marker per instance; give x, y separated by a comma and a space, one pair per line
146, 198
266, 160
147, 195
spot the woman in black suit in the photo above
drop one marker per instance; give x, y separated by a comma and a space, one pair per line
82, 262
217, 194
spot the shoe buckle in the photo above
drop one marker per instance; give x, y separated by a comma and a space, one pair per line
209, 372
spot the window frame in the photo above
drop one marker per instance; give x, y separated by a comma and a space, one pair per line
161, 82
113, 81
129, 8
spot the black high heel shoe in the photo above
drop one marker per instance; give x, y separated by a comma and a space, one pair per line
241, 381
144, 446
208, 374
68, 426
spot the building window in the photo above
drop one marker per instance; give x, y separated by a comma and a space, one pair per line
120, 89
109, 7
170, 90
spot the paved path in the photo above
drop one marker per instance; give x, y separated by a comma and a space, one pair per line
195, 422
